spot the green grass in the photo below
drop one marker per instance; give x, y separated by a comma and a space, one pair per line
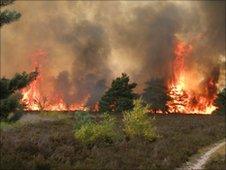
7, 125
51, 145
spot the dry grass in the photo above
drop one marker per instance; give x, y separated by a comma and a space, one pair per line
51, 145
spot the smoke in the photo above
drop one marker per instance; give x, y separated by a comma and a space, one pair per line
90, 43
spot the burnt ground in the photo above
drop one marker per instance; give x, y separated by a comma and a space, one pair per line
51, 145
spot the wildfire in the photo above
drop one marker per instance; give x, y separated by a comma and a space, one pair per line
189, 93
35, 98
184, 99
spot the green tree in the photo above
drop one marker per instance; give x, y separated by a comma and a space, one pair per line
7, 16
9, 95
137, 123
220, 102
119, 97
156, 95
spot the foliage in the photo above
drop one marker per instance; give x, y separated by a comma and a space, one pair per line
7, 16
10, 104
119, 97
181, 136
6, 2
91, 132
82, 118
137, 123
9, 86
156, 95
9, 95
220, 102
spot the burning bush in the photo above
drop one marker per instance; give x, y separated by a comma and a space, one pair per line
137, 123
90, 132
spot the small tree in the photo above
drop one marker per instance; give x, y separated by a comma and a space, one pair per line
7, 16
9, 95
137, 123
90, 132
119, 97
220, 102
156, 95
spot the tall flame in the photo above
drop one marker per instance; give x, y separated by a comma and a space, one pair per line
185, 99
34, 99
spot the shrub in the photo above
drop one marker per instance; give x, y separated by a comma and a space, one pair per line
137, 123
91, 132
82, 118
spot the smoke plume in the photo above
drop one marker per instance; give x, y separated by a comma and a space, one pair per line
90, 43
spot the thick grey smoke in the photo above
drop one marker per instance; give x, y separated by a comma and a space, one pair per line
90, 43
89, 70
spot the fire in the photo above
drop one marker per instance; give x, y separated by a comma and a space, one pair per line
184, 98
34, 100
40, 94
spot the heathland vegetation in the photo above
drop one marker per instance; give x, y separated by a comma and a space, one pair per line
53, 145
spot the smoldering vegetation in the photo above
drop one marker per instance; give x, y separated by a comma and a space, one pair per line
89, 43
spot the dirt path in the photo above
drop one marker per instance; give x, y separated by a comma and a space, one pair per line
198, 161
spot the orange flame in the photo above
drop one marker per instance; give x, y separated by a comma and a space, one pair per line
34, 99
185, 99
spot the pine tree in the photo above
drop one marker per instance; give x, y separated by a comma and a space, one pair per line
9, 95
119, 97
156, 95
220, 102
7, 16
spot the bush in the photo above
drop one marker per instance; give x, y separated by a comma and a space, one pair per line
82, 118
137, 123
91, 132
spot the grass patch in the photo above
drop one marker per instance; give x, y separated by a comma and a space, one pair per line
7, 125
52, 145
55, 114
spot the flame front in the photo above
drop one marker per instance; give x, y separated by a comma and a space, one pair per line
40, 94
190, 91
186, 99
34, 101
